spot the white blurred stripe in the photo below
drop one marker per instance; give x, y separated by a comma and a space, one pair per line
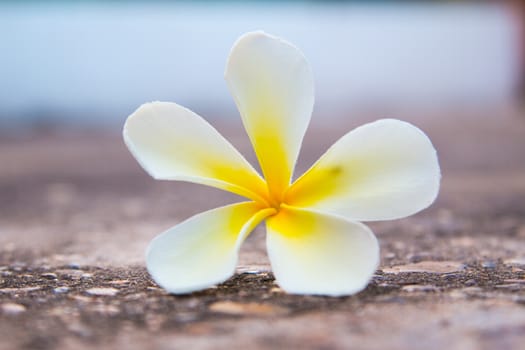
106, 59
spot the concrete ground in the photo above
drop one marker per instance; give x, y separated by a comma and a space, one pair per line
76, 213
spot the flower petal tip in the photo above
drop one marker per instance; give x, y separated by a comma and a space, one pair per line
384, 170
203, 250
250, 37
319, 254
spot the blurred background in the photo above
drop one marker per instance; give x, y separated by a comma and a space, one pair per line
83, 62
72, 71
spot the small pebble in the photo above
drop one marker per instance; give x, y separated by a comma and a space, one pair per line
428, 266
70, 273
49, 275
235, 308
19, 290
18, 266
119, 282
387, 285
12, 308
134, 296
59, 290
73, 266
107, 292
488, 264
411, 288
252, 269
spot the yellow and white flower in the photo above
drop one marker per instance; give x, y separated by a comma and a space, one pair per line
384, 170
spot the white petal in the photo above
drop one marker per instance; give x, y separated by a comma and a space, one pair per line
203, 250
173, 143
380, 171
313, 253
272, 85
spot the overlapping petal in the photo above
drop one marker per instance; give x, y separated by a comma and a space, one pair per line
272, 85
173, 143
314, 253
380, 171
202, 250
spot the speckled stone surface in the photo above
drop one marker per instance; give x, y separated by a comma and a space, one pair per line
76, 213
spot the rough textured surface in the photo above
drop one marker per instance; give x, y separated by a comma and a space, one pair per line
76, 214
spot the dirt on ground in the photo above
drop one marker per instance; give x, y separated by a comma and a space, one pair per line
77, 212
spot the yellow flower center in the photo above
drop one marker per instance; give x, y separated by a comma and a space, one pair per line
273, 201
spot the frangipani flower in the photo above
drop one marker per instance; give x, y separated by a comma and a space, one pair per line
315, 241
